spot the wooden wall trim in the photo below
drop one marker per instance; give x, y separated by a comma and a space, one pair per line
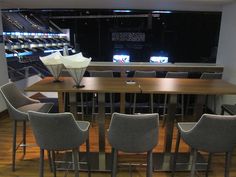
187, 67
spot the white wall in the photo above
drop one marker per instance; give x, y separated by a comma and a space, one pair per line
194, 5
3, 67
227, 48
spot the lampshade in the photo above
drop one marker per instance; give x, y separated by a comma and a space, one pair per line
53, 64
76, 66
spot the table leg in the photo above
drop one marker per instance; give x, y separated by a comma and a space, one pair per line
60, 102
169, 126
73, 104
198, 107
122, 102
101, 131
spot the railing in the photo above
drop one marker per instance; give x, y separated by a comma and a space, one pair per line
13, 21
23, 73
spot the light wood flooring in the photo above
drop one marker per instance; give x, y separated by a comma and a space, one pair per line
28, 167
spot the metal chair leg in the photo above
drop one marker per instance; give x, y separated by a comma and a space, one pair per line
208, 163
82, 105
41, 163
227, 163
164, 110
54, 164
111, 102
14, 145
151, 100
93, 107
114, 162
222, 111
193, 167
182, 107
24, 138
75, 159
149, 164
50, 160
88, 157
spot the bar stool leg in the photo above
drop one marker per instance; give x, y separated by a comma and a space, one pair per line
24, 138
114, 162
222, 111
75, 158
151, 99
149, 164
14, 145
208, 163
82, 105
227, 163
54, 168
88, 157
193, 163
41, 163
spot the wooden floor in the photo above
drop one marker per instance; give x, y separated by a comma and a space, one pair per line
28, 167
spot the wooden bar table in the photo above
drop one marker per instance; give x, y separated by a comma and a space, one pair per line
171, 86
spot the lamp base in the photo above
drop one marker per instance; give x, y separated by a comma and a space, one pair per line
79, 86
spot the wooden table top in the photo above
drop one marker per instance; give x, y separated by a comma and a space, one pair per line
144, 85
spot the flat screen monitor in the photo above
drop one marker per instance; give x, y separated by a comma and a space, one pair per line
158, 59
121, 58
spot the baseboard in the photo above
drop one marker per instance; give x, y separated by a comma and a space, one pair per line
3, 114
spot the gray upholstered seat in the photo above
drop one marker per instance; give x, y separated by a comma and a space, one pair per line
105, 73
18, 105
59, 131
133, 134
212, 134
175, 75
147, 74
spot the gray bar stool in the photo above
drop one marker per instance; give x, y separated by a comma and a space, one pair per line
146, 74
133, 134
212, 134
18, 105
209, 76
59, 132
175, 75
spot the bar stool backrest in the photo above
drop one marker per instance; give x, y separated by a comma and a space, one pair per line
145, 74
176, 74
13, 96
133, 133
105, 73
56, 131
211, 76
212, 133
